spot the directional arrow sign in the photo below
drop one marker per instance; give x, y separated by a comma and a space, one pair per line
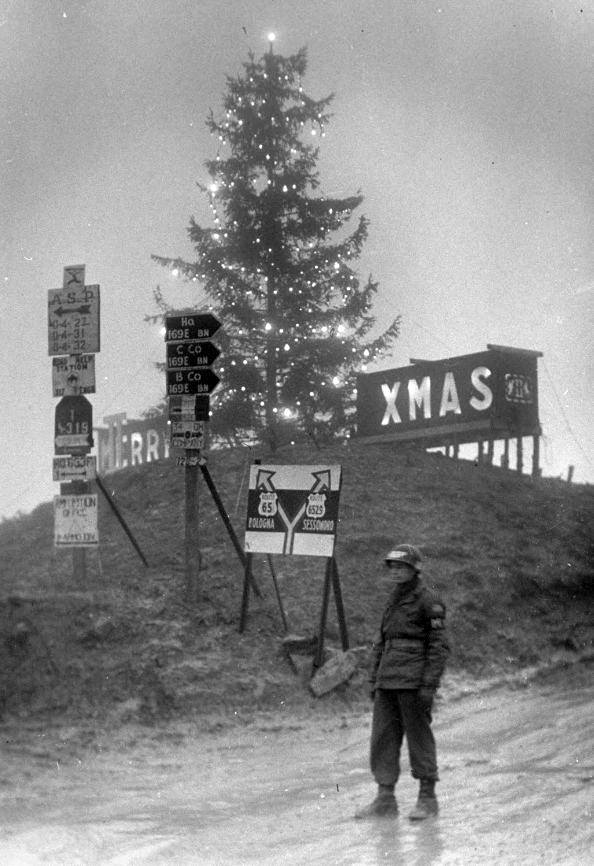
73, 320
191, 381
187, 434
200, 326
194, 353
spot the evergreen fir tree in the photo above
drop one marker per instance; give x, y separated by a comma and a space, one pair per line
296, 317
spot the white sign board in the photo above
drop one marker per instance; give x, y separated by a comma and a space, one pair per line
73, 320
74, 374
80, 467
187, 434
293, 509
75, 520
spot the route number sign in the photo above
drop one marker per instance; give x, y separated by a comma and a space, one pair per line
75, 520
73, 425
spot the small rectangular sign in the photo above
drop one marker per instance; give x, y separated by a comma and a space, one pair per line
181, 382
75, 520
189, 408
80, 467
188, 434
74, 374
73, 320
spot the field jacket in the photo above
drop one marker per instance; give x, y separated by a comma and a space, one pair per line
411, 648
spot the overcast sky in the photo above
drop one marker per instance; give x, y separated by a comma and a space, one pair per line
466, 125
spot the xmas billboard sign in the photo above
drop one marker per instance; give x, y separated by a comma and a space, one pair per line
491, 394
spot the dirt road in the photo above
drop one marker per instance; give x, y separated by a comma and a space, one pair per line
516, 788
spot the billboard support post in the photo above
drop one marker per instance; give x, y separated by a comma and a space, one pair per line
536, 457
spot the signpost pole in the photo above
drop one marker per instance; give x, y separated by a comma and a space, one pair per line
191, 538
79, 558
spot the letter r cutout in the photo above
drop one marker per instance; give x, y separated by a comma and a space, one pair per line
391, 411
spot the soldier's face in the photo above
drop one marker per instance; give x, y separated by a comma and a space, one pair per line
400, 572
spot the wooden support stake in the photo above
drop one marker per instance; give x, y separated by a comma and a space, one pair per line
339, 606
519, 455
247, 580
228, 525
277, 592
318, 658
121, 520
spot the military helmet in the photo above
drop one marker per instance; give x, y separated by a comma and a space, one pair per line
406, 553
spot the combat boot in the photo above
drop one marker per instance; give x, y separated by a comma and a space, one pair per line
384, 804
426, 806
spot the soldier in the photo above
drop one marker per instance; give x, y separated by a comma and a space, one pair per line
409, 657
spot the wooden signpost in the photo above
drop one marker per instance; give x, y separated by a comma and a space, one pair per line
190, 381
74, 336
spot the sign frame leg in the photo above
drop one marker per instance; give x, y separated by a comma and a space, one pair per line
344, 637
319, 654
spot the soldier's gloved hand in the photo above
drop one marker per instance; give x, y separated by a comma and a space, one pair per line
425, 696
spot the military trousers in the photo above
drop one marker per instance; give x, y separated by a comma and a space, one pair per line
398, 713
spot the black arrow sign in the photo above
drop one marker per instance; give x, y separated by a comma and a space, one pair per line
191, 381
195, 353
200, 326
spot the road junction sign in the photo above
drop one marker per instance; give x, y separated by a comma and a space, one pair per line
293, 509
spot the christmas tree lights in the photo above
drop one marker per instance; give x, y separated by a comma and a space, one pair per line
296, 316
